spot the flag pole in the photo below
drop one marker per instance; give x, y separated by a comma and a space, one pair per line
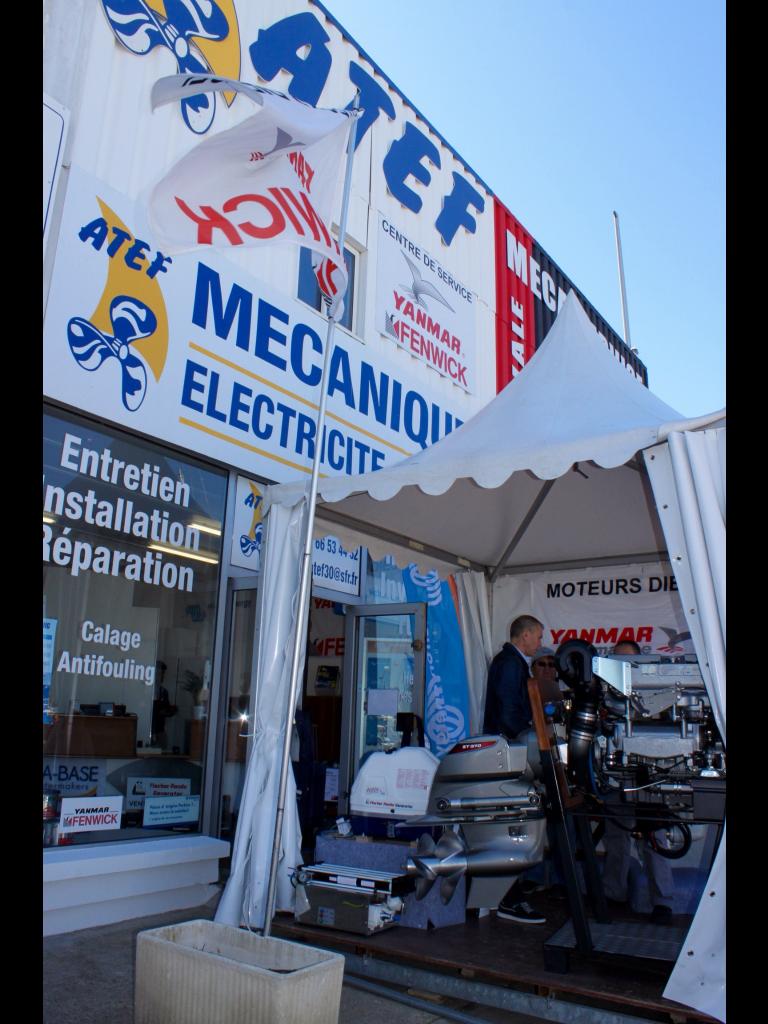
622, 285
306, 562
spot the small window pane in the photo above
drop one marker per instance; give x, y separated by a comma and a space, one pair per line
309, 289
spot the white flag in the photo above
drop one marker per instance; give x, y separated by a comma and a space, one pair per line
331, 277
272, 178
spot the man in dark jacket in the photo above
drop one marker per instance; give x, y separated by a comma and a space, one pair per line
508, 711
507, 707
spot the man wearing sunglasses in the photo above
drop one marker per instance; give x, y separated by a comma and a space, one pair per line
544, 671
508, 712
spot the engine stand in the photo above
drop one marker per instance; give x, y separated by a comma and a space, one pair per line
599, 936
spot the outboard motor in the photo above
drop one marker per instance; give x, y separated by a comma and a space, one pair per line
574, 662
485, 793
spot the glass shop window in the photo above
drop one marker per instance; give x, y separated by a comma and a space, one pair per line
309, 289
131, 554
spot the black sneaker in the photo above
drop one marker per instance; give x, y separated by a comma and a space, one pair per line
521, 912
660, 913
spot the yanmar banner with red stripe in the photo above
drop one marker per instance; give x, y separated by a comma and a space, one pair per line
637, 603
271, 178
530, 289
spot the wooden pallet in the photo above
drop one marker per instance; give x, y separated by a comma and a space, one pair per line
504, 953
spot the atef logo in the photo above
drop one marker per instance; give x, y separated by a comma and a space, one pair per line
250, 543
202, 36
129, 327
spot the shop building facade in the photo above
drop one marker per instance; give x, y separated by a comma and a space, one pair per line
176, 386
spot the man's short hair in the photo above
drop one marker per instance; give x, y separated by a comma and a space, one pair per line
521, 623
628, 643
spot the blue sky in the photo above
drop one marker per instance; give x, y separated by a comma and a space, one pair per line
570, 109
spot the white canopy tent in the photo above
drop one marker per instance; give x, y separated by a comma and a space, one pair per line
574, 463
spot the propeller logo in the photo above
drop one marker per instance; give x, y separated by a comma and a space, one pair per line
128, 327
251, 542
131, 320
202, 36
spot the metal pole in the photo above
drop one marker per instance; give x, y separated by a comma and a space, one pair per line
622, 286
306, 562
529, 516
446, 1012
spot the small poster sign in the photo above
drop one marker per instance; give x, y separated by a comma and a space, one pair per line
139, 788
160, 811
90, 814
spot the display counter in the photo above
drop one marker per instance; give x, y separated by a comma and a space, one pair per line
91, 736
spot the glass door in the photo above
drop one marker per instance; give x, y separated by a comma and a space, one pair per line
241, 638
384, 678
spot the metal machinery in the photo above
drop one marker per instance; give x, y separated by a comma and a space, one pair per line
486, 794
642, 727
352, 899
640, 732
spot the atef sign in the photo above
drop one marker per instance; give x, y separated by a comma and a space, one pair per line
198, 353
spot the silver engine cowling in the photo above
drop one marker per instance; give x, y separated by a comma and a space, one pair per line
485, 794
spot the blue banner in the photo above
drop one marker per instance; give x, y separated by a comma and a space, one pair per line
446, 698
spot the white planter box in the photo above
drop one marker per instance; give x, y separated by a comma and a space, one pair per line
199, 972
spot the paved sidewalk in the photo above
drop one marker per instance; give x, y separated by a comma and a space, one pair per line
88, 979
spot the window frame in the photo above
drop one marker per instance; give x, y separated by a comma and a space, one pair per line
356, 256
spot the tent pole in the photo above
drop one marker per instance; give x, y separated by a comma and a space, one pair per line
302, 608
418, 549
529, 515
629, 558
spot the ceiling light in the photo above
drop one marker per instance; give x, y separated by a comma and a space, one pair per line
184, 553
206, 529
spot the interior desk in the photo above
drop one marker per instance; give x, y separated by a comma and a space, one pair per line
91, 736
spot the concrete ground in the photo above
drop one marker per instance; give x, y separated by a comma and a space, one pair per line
88, 978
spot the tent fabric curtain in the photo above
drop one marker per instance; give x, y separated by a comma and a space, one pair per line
244, 898
687, 475
475, 620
